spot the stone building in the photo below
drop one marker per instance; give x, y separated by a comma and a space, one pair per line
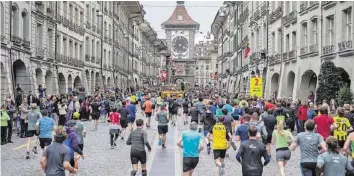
288, 42
204, 66
66, 45
180, 31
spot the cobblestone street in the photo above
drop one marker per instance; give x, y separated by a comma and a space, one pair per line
102, 160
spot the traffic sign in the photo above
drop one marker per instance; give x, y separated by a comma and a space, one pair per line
256, 87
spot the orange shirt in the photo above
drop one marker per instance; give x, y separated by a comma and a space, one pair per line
148, 106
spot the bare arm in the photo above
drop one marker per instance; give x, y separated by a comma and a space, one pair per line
68, 167
179, 143
43, 162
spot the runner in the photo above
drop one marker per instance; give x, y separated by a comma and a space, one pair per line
281, 138
269, 122
148, 111
124, 114
343, 123
56, 158
95, 112
45, 125
72, 143
162, 118
32, 119
242, 130
132, 115
185, 107
324, 123
220, 143
332, 162
208, 121
137, 139
174, 112
114, 130
250, 154
192, 145
80, 130
308, 142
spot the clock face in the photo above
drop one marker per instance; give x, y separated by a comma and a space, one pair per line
180, 44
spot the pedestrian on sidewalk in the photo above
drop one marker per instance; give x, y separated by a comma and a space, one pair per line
4, 117
62, 112
10, 107
138, 140
192, 145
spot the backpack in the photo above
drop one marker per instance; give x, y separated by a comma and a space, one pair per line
68, 143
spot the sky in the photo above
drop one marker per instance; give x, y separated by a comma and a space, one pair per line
202, 12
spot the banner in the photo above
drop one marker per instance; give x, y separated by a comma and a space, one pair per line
256, 87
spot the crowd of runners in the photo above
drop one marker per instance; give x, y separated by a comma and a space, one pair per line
57, 124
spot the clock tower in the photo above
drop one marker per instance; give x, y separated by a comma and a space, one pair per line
180, 31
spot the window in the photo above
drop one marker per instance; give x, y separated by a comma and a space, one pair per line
104, 56
81, 53
304, 35
330, 28
105, 28
273, 43
77, 16
15, 21
93, 47
65, 51
180, 18
87, 46
70, 48
65, 6
207, 67
50, 41
279, 41
287, 43
93, 15
314, 31
265, 36
75, 51
348, 24
25, 25
294, 40
87, 12
71, 12
2, 20
82, 18
109, 31
39, 35
97, 49
257, 42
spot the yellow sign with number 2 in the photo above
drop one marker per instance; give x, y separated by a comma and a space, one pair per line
256, 87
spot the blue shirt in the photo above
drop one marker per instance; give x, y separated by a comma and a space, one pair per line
139, 95
46, 125
229, 109
132, 110
191, 141
213, 109
242, 131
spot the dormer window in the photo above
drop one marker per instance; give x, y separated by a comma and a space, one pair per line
179, 17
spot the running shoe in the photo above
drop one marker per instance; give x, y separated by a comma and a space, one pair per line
115, 144
34, 150
112, 147
122, 138
160, 142
208, 149
163, 146
27, 155
222, 169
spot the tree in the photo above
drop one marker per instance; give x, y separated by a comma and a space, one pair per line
329, 82
345, 96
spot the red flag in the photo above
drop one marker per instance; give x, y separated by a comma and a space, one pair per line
247, 51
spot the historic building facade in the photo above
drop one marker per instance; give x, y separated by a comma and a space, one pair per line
283, 42
204, 72
180, 31
70, 44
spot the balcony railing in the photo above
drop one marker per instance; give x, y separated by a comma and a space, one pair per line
293, 54
26, 44
40, 52
88, 24
87, 57
330, 49
293, 17
313, 49
304, 50
285, 56
328, 4
16, 40
346, 45
314, 3
303, 7
275, 15
264, 8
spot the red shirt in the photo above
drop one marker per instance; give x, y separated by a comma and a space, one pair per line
302, 113
114, 118
270, 106
323, 123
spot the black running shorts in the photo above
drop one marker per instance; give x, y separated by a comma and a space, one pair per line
189, 163
43, 142
137, 156
162, 129
219, 154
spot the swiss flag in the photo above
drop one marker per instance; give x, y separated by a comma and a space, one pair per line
247, 51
